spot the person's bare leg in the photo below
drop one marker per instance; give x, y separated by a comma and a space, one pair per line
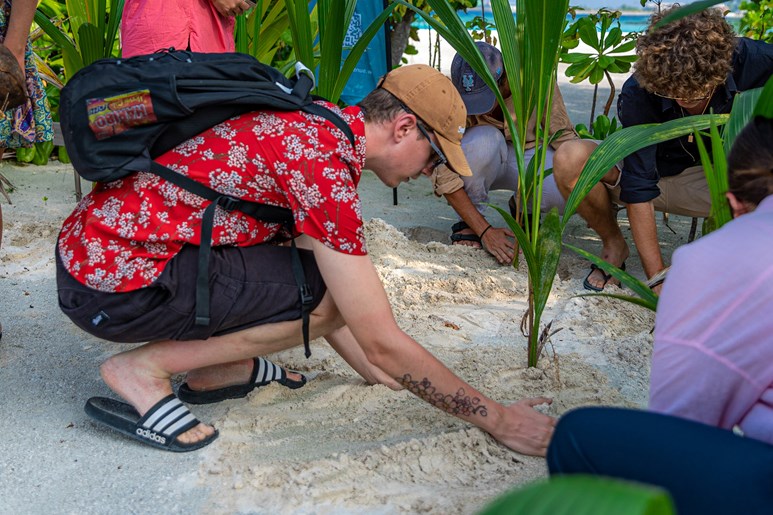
142, 375
596, 208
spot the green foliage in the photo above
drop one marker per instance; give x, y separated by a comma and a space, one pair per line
715, 168
316, 38
260, 32
601, 31
608, 43
646, 297
583, 495
63, 156
625, 142
37, 154
601, 128
757, 20
764, 106
481, 30
89, 31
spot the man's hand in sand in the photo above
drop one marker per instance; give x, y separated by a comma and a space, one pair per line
526, 430
499, 243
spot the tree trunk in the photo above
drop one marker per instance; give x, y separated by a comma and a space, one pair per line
399, 37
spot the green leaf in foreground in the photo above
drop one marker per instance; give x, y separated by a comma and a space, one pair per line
583, 495
647, 297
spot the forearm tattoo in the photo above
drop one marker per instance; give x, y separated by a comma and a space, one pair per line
458, 404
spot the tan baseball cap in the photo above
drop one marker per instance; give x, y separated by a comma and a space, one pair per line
432, 97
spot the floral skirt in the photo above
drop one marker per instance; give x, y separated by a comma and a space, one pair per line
29, 123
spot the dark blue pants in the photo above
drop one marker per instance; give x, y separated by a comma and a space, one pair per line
706, 470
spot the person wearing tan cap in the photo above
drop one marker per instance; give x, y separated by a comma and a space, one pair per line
124, 262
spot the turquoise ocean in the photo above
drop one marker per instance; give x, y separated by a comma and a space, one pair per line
628, 22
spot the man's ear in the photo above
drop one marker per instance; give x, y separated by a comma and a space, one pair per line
404, 124
738, 207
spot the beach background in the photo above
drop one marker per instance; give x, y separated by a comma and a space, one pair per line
336, 445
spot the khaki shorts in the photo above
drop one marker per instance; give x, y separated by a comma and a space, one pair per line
685, 194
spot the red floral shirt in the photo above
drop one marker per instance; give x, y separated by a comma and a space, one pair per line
121, 236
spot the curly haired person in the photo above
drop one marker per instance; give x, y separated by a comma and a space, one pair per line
692, 66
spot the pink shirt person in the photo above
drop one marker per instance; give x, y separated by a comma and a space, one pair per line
151, 25
713, 356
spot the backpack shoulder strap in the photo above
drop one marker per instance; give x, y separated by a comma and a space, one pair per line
332, 117
264, 212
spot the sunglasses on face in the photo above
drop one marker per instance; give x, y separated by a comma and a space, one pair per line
687, 100
440, 158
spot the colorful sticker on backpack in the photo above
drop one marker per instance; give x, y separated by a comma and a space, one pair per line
111, 116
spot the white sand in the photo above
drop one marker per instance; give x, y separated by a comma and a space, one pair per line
337, 445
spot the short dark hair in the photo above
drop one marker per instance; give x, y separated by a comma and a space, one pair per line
687, 57
750, 163
380, 106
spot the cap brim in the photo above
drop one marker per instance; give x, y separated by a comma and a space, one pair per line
480, 102
453, 152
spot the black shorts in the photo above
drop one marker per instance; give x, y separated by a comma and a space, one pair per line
249, 286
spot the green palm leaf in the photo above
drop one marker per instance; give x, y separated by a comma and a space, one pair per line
334, 19
70, 56
626, 141
715, 169
765, 105
583, 495
647, 297
743, 107
300, 28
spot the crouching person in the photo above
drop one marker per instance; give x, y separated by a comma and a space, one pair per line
127, 255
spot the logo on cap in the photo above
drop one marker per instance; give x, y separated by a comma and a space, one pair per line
468, 81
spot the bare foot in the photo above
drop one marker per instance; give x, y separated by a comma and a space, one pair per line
227, 374
614, 252
142, 387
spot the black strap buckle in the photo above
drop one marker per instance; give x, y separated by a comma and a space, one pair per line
228, 203
306, 296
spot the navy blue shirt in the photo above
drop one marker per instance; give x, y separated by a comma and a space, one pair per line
752, 66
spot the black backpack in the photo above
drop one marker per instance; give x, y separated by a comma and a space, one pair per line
117, 115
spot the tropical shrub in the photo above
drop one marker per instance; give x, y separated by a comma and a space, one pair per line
600, 129
611, 52
757, 20
84, 31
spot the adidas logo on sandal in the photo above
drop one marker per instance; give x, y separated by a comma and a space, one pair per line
150, 435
